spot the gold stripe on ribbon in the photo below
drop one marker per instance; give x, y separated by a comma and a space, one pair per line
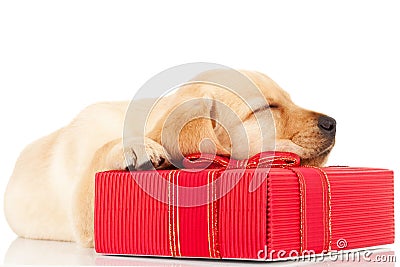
303, 216
212, 217
328, 207
178, 243
208, 215
170, 221
302, 192
173, 220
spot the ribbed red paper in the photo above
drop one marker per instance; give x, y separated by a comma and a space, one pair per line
244, 224
362, 208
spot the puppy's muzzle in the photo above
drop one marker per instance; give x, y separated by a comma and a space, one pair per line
327, 126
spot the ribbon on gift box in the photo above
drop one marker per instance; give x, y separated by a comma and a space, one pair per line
314, 194
260, 160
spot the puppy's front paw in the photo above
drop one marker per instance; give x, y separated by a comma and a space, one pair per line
132, 155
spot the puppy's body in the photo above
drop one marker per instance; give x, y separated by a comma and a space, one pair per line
50, 194
40, 193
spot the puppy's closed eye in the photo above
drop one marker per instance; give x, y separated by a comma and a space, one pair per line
270, 106
262, 108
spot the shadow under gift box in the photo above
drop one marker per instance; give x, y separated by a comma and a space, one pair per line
248, 213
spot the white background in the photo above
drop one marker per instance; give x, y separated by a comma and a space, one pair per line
337, 57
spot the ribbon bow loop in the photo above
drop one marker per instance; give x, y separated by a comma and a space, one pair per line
260, 160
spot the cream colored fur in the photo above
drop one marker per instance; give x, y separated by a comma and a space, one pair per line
51, 191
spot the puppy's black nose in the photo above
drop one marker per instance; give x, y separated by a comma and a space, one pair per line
327, 125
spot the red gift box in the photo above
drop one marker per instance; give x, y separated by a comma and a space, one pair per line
243, 209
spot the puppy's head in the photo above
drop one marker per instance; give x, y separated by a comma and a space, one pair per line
239, 116
307, 133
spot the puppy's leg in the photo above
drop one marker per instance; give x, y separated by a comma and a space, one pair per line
110, 157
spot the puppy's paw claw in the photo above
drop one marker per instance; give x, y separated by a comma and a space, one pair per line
156, 158
138, 156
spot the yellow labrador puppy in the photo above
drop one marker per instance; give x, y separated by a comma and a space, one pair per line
50, 194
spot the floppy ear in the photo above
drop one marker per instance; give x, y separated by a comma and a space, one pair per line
188, 128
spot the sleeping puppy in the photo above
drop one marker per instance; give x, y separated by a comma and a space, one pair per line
50, 194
